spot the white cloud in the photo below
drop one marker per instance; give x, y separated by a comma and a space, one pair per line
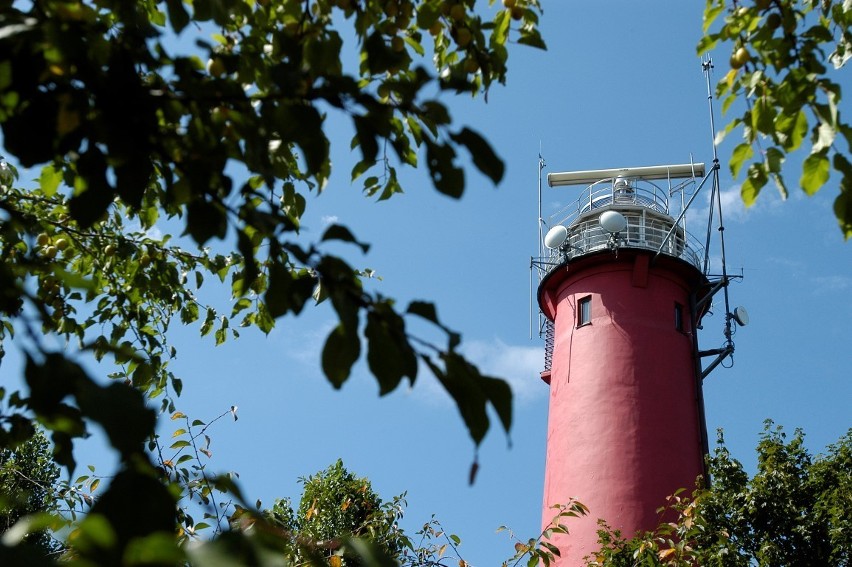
733, 208
829, 284
329, 219
302, 344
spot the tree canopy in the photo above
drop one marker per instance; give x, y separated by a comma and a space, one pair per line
781, 53
211, 116
29, 485
337, 506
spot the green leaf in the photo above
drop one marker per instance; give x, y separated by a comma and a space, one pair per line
843, 211
711, 12
340, 232
472, 393
753, 184
287, 291
798, 132
49, 180
342, 348
483, 155
532, 38
763, 116
205, 221
135, 489
815, 172
501, 28
389, 354
706, 44
121, 411
740, 155
446, 176
774, 160
177, 15
155, 549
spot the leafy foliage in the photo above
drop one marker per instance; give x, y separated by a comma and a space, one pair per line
209, 118
28, 486
540, 551
793, 511
335, 507
780, 52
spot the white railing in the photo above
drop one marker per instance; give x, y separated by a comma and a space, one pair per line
616, 191
644, 205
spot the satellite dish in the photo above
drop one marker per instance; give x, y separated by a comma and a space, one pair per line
741, 316
556, 237
612, 221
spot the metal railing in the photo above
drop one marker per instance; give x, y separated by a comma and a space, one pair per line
649, 224
618, 191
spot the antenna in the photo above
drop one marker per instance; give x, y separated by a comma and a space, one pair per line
541, 166
541, 238
740, 315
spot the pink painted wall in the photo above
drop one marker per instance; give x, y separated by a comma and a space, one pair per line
624, 428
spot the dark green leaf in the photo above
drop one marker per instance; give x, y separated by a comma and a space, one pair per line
483, 155
446, 176
342, 349
340, 232
389, 354
205, 221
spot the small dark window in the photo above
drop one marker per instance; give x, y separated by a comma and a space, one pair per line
584, 311
679, 317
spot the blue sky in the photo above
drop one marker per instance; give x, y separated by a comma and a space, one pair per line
619, 86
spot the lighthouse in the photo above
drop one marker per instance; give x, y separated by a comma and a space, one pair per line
622, 290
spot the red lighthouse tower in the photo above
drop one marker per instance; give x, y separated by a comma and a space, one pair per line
622, 291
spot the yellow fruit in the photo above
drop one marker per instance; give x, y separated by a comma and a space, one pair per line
61, 244
109, 250
391, 9
739, 58
144, 260
397, 43
509, 4
436, 28
471, 66
50, 252
517, 12
43, 239
457, 12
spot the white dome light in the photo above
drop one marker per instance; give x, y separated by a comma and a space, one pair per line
556, 237
612, 221
741, 316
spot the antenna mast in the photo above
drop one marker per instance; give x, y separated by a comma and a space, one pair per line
716, 203
541, 166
